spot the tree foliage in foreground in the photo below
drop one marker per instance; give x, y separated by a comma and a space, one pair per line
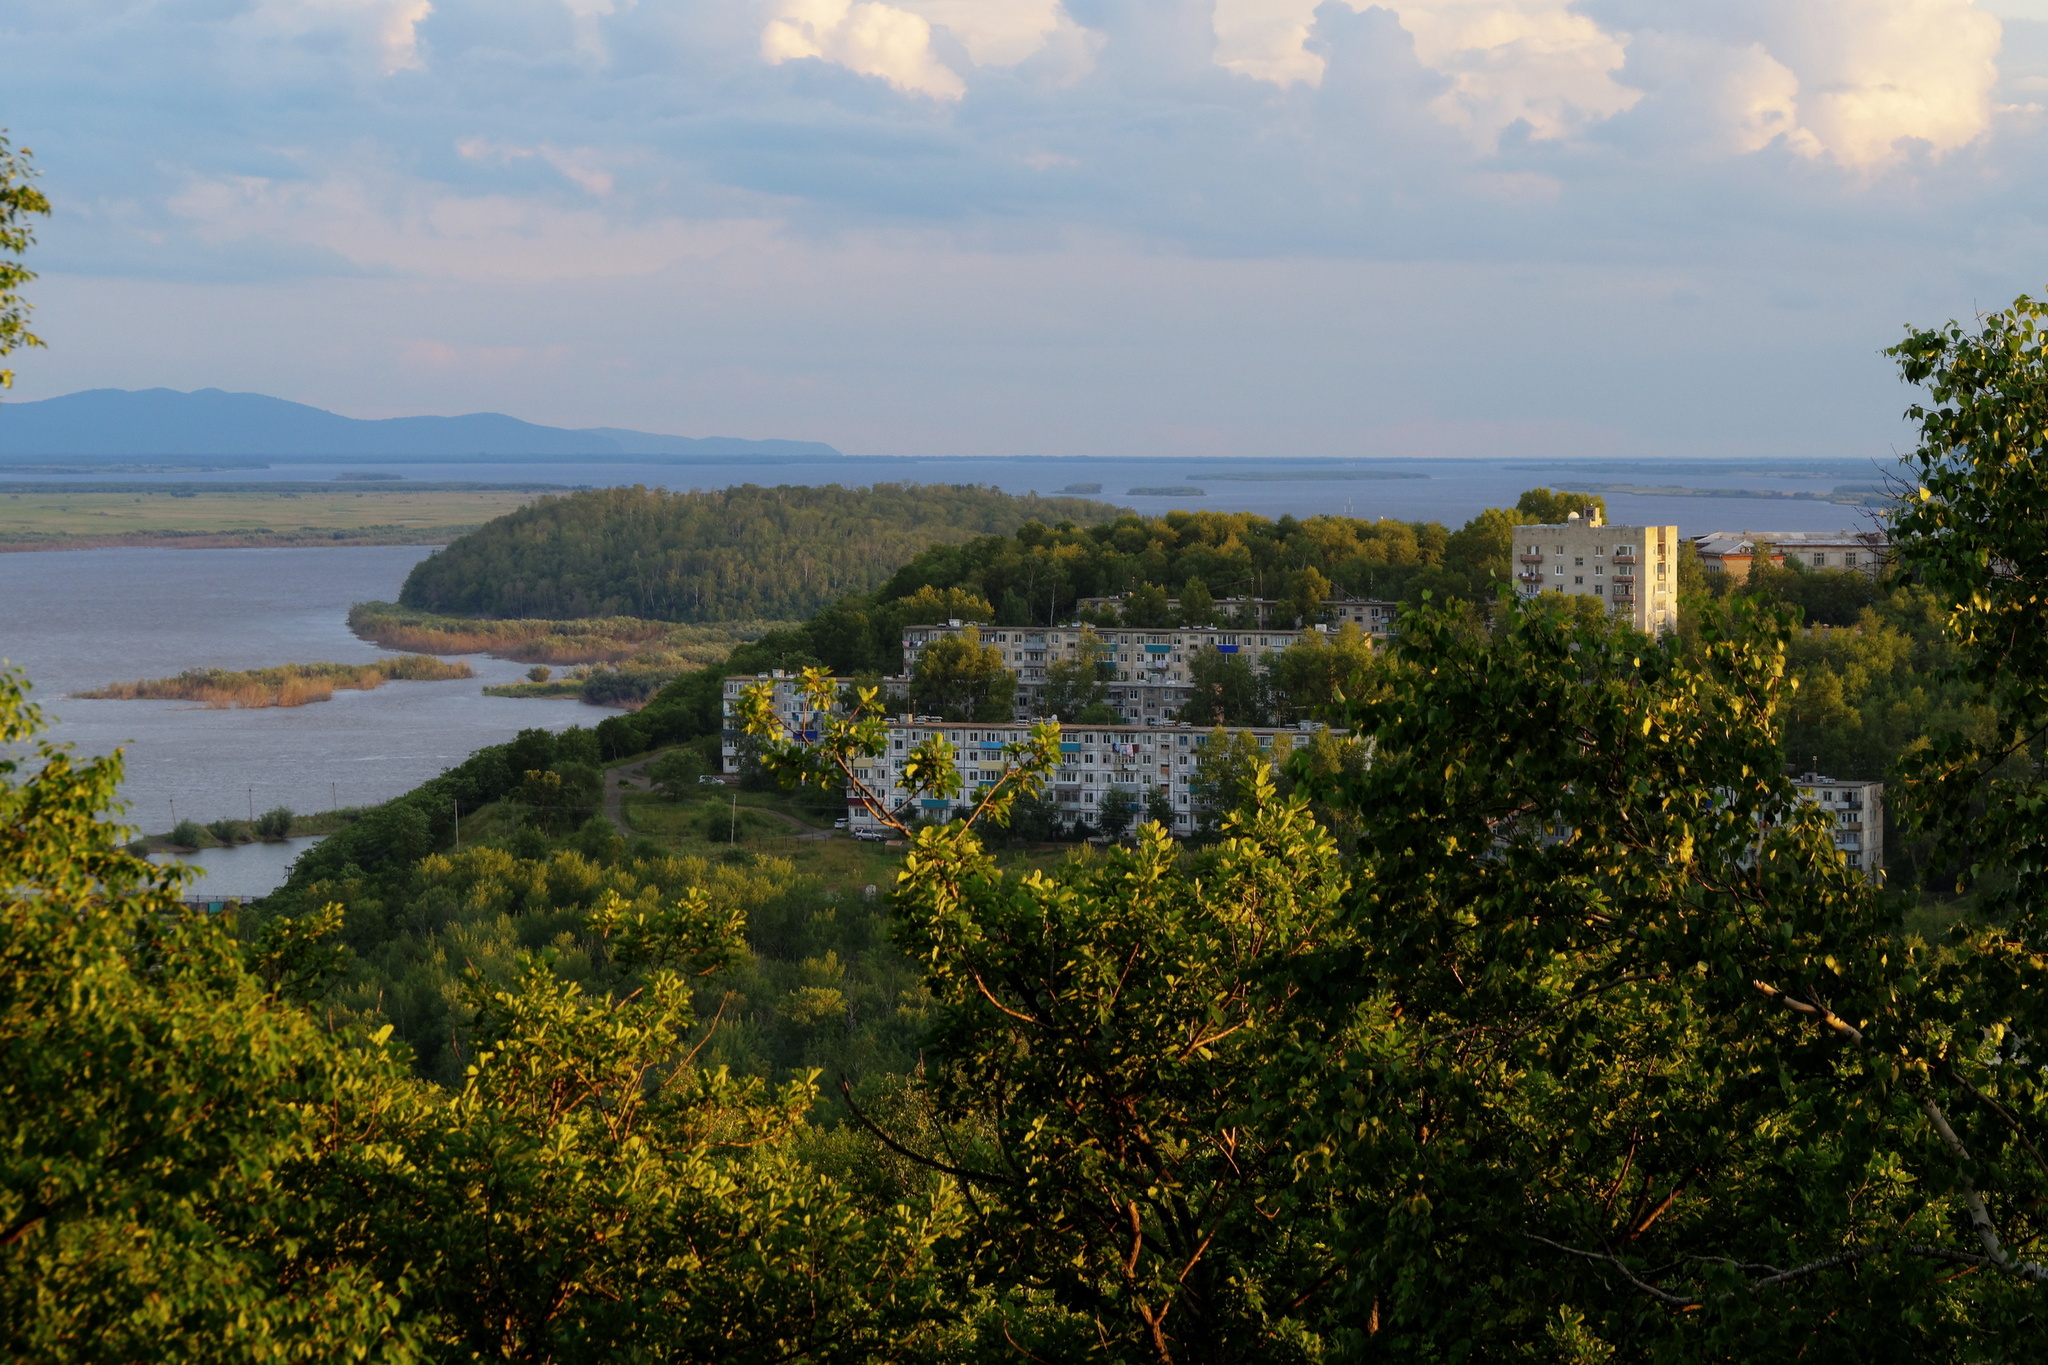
194, 1169
18, 199
1593, 1049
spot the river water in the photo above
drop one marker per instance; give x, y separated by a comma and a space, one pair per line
79, 619
1446, 490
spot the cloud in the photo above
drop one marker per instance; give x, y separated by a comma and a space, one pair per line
388, 29
864, 36
1874, 73
381, 223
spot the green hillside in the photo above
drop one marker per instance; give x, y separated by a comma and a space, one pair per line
729, 554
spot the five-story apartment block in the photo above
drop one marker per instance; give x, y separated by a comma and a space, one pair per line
1632, 570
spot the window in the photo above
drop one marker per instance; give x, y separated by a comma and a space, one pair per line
1599, 570
1578, 561
1579, 580
1849, 560
1599, 590
1819, 559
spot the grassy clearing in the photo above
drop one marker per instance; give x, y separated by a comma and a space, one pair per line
198, 516
288, 685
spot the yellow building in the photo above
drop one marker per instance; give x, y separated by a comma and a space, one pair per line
1633, 570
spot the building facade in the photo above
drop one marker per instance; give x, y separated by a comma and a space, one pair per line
1369, 614
1735, 552
1631, 570
1149, 680
1145, 762
1858, 812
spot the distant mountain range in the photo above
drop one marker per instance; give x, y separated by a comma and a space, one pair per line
122, 423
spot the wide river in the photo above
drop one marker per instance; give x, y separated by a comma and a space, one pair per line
79, 619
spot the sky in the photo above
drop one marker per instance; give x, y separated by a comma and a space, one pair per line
1640, 228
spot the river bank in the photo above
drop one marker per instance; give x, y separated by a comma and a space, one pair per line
160, 612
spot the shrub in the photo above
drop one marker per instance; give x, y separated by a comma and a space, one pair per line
229, 831
188, 834
275, 823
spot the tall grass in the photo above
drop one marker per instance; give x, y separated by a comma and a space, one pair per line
288, 685
597, 640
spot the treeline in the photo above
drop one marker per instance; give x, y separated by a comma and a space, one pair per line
733, 554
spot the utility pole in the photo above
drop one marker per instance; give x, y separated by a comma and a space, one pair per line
458, 825
732, 828
252, 805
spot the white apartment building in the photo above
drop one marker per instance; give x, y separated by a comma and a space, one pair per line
1094, 760
1151, 678
1858, 811
1367, 613
1633, 570
1733, 552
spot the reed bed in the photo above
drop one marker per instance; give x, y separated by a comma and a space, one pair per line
597, 640
287, 685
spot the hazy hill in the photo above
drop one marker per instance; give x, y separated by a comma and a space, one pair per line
733, 554
124, 422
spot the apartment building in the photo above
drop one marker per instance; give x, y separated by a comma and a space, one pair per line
1367, 613
1632, 570
1734, 552
1095, 760
791, 705
1858, 812
1150, 678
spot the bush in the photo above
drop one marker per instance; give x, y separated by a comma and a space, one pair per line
275, 823
539, 673
676, 772
188, 834
229, 831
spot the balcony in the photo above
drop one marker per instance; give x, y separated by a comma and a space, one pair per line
1530, 577
1532, 559
1624, 559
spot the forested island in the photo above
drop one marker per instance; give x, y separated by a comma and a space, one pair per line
736, 552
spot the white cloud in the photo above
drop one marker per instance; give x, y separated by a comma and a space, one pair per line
1845, 79
387, 28
994, 32
1268, 40
870, 38
1874, 72
1535, 61
385, 224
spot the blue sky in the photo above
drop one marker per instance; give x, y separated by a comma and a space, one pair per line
1246, 227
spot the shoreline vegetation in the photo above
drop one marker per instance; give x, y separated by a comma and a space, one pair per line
277, 825
618, 661
285, 685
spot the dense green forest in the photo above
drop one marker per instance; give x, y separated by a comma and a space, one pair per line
731, 554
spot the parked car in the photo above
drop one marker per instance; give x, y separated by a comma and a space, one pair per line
710, 780
872, 836
840, 823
